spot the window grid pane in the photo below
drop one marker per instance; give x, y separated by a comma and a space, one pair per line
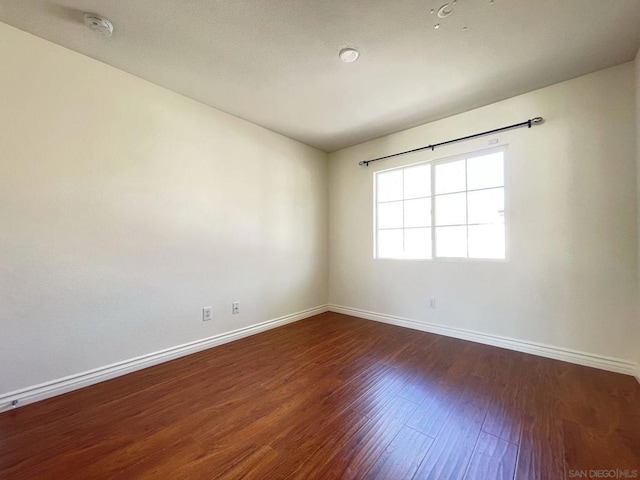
451, 209
389, 186
451, 242
390, 215
417, 182
390, 243
417, 213
486, 241
486, 206
450, 177
417, 243
485, 171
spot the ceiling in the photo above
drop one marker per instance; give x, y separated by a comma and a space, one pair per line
275, 62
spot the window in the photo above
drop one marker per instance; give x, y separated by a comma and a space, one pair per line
443, 209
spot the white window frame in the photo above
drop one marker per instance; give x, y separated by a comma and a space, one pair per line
438, 161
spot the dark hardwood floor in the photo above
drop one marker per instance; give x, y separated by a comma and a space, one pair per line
334, 397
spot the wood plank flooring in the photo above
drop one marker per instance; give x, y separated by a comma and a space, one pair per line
335, 397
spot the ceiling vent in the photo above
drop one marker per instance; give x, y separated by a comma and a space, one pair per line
98, 24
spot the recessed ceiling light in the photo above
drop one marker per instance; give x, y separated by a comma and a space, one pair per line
98, 24
349, 55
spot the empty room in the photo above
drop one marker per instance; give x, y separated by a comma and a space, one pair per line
333, 239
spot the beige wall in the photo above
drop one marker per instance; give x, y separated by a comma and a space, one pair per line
126, 208
572, 278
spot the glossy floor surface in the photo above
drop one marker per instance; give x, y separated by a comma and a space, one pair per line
334, 397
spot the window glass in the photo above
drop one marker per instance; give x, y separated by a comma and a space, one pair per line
485, 171
450, 177
390, 243
417, 243
417, 213
486, 241
451, 241
417, 181
451, 209
390, 215
390, 186
486, 206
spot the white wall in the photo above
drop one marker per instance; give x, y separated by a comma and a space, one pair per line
125, 208
572, 278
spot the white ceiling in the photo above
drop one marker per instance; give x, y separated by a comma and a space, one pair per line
275, 62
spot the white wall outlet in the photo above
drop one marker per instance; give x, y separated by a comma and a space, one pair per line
432, 303
235, 307
207, 314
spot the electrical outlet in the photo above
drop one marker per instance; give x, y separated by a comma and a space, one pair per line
432, 303
207, 314
235, 307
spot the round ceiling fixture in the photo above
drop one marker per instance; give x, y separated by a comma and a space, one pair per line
349, 55
98, 24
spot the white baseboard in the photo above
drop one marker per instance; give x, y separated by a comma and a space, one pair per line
572, 356
50, 389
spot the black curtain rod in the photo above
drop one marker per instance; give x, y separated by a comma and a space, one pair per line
529, 123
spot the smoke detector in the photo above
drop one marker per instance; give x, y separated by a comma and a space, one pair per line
349, 55
98, 24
